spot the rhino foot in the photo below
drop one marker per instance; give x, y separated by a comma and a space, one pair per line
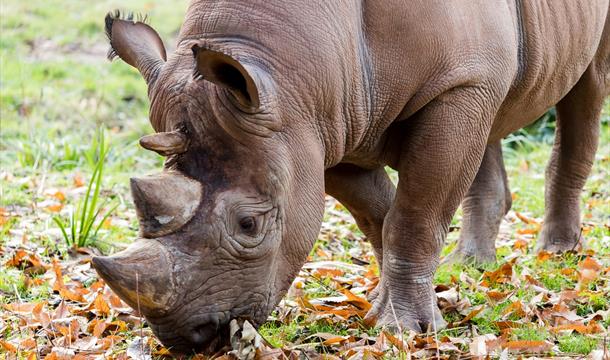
403, 309
556, 239
475, 256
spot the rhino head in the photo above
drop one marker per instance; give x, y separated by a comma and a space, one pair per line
227, 224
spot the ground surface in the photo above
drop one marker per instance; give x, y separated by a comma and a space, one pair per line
57, 88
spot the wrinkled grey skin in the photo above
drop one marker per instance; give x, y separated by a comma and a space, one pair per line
265, 105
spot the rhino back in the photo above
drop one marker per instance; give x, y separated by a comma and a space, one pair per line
557, 41
368, 64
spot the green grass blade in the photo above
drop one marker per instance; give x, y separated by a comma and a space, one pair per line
108, 213
97, 180
85, 204
89, 226
63, 229
73, 224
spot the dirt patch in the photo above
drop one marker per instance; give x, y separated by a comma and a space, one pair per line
49, 50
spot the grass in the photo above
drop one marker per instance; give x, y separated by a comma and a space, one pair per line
577, 344
531, 333
56, 89
81, 230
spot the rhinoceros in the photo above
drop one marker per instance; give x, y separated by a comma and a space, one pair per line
265, 106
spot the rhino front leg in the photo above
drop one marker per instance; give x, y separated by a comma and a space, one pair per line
367, 194
573, 153
486, 203
438, 161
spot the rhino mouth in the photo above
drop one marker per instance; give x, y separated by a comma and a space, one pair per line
208, 334
207, 337
211, 338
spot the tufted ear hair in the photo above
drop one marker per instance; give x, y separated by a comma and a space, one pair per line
136, 43
226, 72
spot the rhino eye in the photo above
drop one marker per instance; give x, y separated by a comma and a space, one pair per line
248, 225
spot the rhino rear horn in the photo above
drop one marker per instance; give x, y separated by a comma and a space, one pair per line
164, 202
165, 143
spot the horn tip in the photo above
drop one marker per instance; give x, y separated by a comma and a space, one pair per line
102, 264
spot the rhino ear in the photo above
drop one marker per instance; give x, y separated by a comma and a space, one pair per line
225, 71
136, 43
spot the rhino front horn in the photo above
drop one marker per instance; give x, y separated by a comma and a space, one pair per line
164, 202
140, 275
165, 143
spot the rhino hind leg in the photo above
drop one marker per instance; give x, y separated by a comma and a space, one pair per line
484, 206
367, 194
576, 141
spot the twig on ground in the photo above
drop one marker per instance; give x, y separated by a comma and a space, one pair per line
438, 352
17, 293
139, 313
577, 240
400, 335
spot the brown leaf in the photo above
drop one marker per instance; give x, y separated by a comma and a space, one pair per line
515, 309
335, 340
57, 194
544, 256
3, 216
520, 244
109, 341
588, 272
15, 260
101, 305
398, 343
567, 271
359, 302
20, 308
98, 285
590, 264
533, 281
592, 328
61, 311
27, 344
78, 181
97, 327
117, 326
322, 272
59, 281
69, 294
526, 219
498, 295
162, 351
54, 208
500, 276
530, 346
529, 231
8, 346
470, 315
40, 315
71, 331
59, 353
585, 277
503, 325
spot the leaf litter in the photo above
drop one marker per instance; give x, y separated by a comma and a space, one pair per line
512, 308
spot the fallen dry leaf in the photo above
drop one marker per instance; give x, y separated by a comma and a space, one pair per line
528, 346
